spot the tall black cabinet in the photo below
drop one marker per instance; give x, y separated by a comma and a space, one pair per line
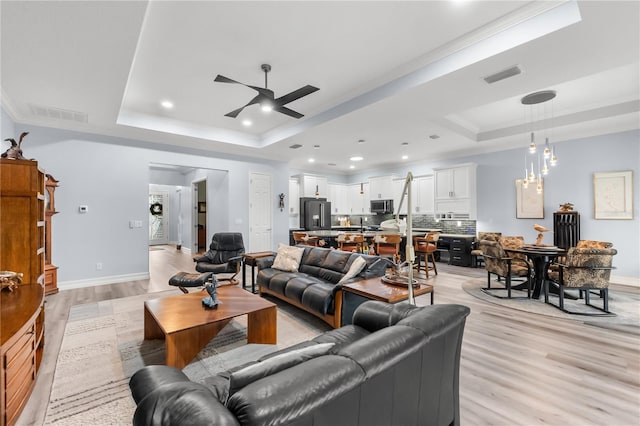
566, 229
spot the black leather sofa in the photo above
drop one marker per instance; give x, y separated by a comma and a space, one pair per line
315, 286
395, 365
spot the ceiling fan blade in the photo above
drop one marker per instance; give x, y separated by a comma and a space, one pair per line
287, 111
296, 94
235, 112
222, 79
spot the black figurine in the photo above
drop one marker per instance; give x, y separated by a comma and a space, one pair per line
212, 301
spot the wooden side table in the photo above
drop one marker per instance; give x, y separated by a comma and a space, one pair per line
358, 292
250, 259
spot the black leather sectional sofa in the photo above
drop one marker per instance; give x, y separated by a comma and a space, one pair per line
315, 286
395, 365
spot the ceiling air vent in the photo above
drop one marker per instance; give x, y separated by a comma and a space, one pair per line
295, 146
58, 114
434, 136
510, 72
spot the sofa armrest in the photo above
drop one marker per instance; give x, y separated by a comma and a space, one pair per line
265, 262
182, 403
374, 315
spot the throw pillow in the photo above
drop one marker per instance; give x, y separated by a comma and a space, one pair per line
288, 258
241, 378
356, 266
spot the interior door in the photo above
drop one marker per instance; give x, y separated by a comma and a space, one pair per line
158, 218
260, 212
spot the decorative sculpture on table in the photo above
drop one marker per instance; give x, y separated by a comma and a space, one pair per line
212, 301
540, 229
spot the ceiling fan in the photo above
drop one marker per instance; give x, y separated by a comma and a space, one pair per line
266, 97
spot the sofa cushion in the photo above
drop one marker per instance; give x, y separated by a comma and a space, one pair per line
288, 258
319, 297
357, 265
272, 365
296, 286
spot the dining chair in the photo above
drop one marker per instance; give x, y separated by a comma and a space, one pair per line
586, 267
496, 261
476, 254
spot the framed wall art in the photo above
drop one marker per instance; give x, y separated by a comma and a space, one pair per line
613, 195
529, 204
202, 207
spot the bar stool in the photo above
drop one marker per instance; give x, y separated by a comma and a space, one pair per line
426, 247
351, 242
304, 239
388, 245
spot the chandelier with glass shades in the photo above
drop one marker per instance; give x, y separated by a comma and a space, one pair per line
538, 113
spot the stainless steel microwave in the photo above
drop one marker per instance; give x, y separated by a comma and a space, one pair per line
381, 206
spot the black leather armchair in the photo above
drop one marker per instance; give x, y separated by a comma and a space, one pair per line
224, 256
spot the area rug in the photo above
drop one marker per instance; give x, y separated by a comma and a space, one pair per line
626, 305
103, 346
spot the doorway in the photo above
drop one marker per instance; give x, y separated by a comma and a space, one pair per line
200, 220
260, 214
158, 218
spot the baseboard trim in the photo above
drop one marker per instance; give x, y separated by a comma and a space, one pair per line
113, 279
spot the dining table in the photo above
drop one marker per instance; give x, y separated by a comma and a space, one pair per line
541, 258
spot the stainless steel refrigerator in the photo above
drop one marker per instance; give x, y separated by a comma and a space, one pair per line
315, 213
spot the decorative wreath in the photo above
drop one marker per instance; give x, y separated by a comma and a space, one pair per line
156, 209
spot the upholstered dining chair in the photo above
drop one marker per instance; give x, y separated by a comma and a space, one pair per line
476, 254
425, 247
498, 262
586, 267
304, 239
387, 245
350, 242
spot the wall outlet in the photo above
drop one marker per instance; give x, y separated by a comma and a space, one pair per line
99, 266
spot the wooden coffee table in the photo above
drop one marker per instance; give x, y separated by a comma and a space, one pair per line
187, 327
358, 292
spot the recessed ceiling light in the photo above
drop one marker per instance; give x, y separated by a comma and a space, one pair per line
167, 104
352, 166
246, 123
356, 158
404, 157
312, 160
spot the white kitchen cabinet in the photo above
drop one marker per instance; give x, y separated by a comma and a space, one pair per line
381, 188
358, 203
425, 196
294, 197
339, 198
421, 195
311, 184
455, 192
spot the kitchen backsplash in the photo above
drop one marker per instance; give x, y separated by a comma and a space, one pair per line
419, 221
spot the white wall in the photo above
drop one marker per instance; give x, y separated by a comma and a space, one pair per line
112, 179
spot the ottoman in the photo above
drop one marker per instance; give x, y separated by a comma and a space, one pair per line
186, 279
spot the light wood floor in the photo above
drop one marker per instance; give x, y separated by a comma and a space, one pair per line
516, 368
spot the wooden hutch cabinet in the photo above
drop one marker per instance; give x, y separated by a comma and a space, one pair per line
22, 250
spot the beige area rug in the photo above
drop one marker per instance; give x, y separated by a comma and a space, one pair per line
626, 305
103, 346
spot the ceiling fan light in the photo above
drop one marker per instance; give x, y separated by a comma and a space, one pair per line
266, 106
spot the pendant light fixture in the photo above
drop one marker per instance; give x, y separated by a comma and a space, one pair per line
317, 192
547, 157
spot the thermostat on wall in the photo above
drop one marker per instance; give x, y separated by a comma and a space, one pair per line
83, 209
